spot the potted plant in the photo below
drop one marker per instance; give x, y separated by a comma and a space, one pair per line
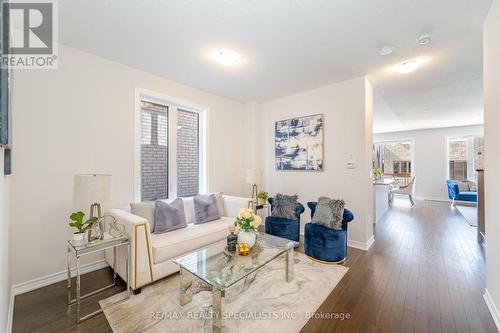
377, 172
262, 197
81, 226
248, 222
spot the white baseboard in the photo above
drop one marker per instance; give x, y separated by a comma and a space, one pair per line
43, 281
492, 307
360, 245
432, 199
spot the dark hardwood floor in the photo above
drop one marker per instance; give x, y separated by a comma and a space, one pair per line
425, 273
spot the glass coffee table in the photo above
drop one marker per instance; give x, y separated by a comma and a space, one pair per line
215, 269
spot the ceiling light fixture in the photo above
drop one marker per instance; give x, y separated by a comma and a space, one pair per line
424, 39
227, 57
386, 50
408, 66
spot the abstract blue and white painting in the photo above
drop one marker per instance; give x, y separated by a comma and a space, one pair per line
299, 143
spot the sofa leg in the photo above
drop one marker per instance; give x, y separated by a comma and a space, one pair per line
137, 291
411, 200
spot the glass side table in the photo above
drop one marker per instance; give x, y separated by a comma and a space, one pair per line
79, 250
255, 206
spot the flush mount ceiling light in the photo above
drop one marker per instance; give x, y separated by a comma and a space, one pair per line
226, 57
424, 39
386, 50
408, 66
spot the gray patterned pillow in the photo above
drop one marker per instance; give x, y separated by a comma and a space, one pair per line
169, 216
329, 213
205, 208
284, 206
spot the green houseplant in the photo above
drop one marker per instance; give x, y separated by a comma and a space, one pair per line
377, 173
81, 226
262, 197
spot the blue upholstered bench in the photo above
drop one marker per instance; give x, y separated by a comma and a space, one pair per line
285, 228
324, 244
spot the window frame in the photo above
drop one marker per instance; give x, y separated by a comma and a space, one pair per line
411, 140
471, 172
173, 105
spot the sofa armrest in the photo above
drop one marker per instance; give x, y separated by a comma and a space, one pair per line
453, 189
232, 204
138, 231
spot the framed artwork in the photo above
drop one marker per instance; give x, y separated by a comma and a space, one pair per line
4, 106
5, 95
7, 162
4, 81
298, 143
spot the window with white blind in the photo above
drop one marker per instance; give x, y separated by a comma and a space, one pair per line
169, 149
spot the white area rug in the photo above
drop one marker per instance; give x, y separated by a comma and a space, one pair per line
469, 213
268, 304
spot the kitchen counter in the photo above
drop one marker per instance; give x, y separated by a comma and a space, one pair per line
382, 189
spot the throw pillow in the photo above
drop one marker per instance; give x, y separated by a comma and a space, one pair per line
220, 203
169, 216
205, 208
472, 186
284, 206
146, 210
463, 186
329, 213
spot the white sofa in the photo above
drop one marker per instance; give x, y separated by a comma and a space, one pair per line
151, 254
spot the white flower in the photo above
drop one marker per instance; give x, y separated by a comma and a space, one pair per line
257, 221
245, 213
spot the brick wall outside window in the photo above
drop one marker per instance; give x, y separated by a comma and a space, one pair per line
154, 151
188, 152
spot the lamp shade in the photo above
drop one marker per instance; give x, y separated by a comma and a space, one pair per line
254, 176
92, 188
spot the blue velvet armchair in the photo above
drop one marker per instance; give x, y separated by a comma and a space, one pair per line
285, 228
326, 244
455, 195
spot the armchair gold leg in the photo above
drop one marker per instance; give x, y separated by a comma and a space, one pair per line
328, 262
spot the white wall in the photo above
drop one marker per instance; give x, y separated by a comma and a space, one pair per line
347, 108
4, 246
79, 119
492, 155
430, 160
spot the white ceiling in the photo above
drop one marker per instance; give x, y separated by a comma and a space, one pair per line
289, 46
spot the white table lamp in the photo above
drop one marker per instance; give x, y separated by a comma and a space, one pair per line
253, 178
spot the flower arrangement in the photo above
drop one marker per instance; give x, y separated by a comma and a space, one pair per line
247, 220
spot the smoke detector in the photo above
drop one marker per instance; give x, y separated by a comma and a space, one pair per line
424, 39
386, 50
